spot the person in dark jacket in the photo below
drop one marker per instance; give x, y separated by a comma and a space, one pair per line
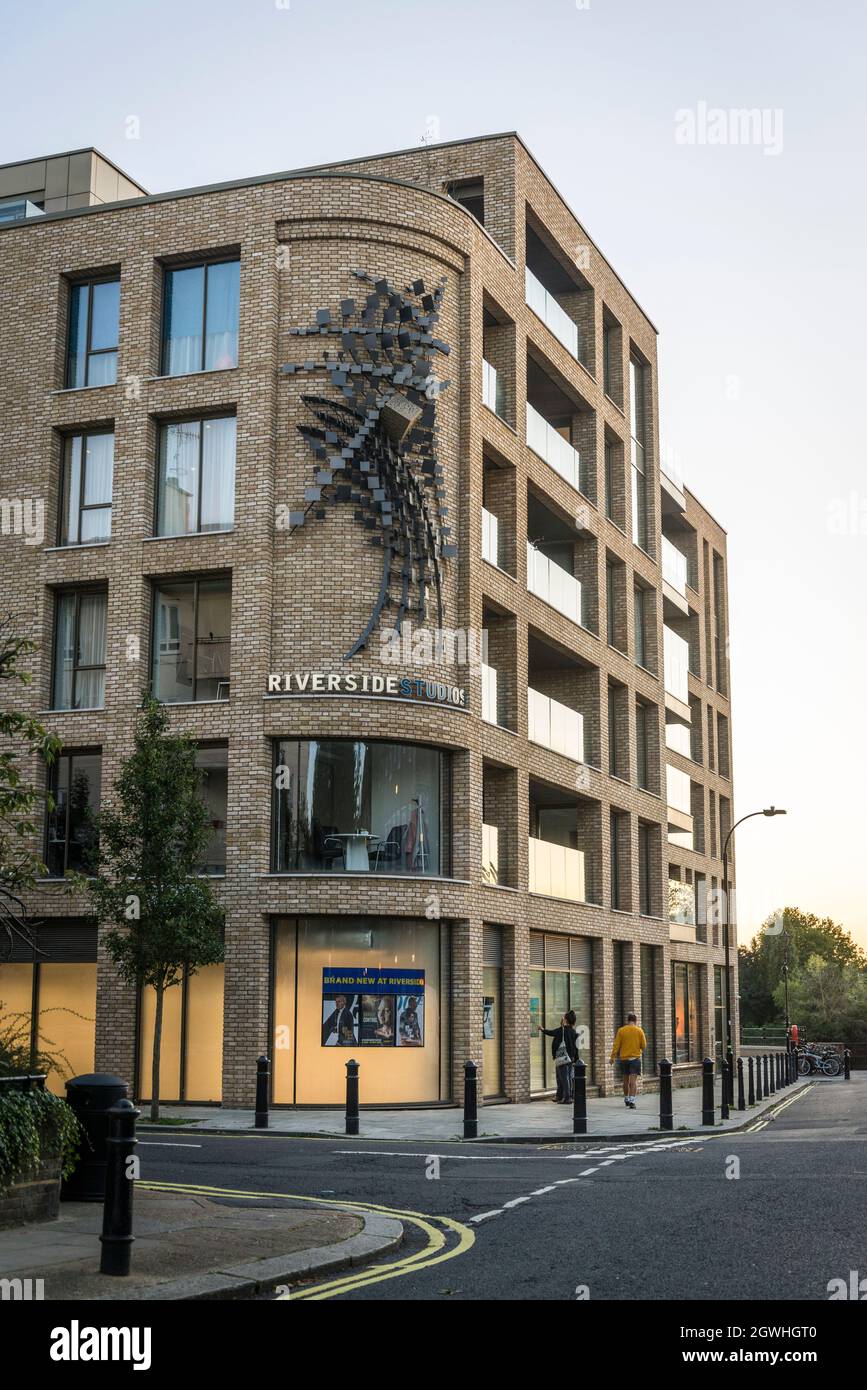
564, 1050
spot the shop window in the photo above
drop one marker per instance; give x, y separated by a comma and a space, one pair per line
561, 978
48, 1004
685, 1005
191, 1051
351, 807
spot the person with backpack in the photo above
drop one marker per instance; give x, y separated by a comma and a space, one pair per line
564, 1050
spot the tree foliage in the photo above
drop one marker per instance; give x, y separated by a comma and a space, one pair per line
21, 804
799, 937
151, 837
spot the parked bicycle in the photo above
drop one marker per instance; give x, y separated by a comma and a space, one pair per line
818, 1061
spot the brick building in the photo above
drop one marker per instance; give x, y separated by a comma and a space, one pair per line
423, 847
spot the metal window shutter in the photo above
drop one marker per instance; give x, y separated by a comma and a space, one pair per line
492, 946
537, 950
557, 952
581, 954
62, 942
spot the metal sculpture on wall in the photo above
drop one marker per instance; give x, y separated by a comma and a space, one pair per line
375, 440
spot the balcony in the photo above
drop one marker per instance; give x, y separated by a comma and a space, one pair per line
556, 871
676, 660
490, 703
549, 581
543, 303
492, 389
674, 566
679, 798
490, 538
490, 854
550, 445
555, 726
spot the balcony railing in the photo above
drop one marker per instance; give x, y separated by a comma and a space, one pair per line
676, 655
543, 303
545, 441
555, 726
678, 790
492, 388
556, 586
490, 706
490, 537
674, 566
490, 853
556, 870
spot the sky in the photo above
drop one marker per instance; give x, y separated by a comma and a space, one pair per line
746, 254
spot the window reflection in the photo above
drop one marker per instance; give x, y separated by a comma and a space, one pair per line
359, 807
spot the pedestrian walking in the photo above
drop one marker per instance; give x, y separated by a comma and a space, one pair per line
564, 1050
630, 1042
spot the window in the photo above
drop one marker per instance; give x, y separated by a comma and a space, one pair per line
79, 649
74, 787
561, 978
618, 731
651, 969
212, 760
642, 744
88, 469
607, 345
619, 833
200, 318
640, 619
343, 806
685, 986
191, 643
645, 865
196, 489
637, 402
91, 351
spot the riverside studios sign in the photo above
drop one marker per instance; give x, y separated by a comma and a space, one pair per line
397, 687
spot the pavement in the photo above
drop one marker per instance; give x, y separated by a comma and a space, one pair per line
607, 1118
195, 1246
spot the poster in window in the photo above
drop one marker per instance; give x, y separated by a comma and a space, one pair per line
378, 1015
488, 1017
372, 1007
340, 1020
410, 1020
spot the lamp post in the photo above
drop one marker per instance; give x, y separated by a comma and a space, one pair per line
727, 1011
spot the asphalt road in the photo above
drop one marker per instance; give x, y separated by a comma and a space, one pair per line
772, 1214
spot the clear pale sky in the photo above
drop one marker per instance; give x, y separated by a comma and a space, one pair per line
749, 263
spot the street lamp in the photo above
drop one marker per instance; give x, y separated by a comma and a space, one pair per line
727, 1012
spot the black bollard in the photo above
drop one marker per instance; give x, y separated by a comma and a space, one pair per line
471, 1103
263, 1077
766, 1079
579, 1097
751, 1091
117, 1236
352, 1096
847, 1070
730, 1076
793, 1065
707, 1105
773, 1077
760, 1092
784, 1079
724, 1089
779, 1072
666, 1109
742, 1104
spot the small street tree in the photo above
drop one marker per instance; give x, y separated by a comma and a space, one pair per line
21, 804
152, 835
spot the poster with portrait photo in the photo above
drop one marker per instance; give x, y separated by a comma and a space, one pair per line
378, 1020
410, 1020
340, 1015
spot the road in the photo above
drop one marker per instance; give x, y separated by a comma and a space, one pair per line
776, 1213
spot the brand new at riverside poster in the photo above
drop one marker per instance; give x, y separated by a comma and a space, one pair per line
387, 1005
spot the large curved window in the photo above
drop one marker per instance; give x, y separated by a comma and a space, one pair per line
349, 807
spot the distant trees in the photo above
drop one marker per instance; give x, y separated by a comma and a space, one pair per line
827, 976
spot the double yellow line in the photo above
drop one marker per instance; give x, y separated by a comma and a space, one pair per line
445, 1238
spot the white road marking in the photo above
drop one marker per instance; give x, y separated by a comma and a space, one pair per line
431, 1153
165, 1144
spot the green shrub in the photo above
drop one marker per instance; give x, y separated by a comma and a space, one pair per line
33, 1124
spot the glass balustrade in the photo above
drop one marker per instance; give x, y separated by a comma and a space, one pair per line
551, 582
490, 854
489, 694
545, 441
556, 870
674, 566
676, 655
490, 537
543, 303
554, 725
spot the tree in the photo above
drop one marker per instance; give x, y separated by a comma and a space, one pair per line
21, 805
797, 936
152, 835
828, 999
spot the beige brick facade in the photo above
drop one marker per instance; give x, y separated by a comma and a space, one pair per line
299, 597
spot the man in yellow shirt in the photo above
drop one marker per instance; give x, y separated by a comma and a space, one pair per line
630, 1042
